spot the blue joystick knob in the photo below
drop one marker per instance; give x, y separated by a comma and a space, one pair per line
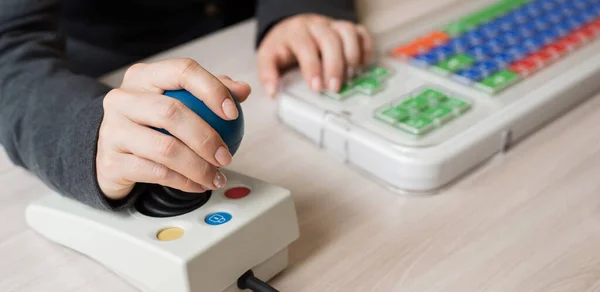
230, 131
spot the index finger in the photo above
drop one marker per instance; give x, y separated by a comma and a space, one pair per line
176, 74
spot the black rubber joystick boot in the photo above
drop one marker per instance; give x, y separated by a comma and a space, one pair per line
160, 201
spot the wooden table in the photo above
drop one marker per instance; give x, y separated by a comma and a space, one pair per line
528, 221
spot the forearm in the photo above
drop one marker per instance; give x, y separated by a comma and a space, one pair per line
49, 116
270, 12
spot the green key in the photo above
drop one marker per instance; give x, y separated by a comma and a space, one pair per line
393, 114
416, 125
440, 114
457, 105
433, 96
418, 103
368, 86
453, 64
346, 91
378, 72
498, 81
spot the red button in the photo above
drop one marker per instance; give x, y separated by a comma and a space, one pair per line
570, 41
557, 48
543, 57
524, 67
237, 192
585, 33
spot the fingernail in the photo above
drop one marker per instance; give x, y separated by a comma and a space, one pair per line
334, 83
315, 84
271, 89
230, 109
220, 180
223, 156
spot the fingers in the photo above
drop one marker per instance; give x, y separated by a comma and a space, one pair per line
159, 111
351, 46
182, 74
268, 70
332, 55
125, 170
367, 45
307, 54
171, 153
241, 90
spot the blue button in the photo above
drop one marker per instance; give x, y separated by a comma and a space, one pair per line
510, 38
497, 44
541, 24
459, 44
533, 44
218, 218
588, 15
504, 59
471, 74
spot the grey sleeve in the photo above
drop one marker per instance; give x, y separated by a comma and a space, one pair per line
49, 115
270, 12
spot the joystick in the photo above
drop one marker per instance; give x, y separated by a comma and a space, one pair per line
162, 201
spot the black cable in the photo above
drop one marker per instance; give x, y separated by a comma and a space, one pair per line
248, 281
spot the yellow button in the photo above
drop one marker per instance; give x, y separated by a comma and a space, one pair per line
171, 233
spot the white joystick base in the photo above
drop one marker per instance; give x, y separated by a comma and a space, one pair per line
205, 250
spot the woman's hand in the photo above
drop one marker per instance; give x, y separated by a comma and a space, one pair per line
130, 151
328, 51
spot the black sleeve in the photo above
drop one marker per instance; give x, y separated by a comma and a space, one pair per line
270, 12
49, 116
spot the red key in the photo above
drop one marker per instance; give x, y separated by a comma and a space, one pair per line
595, 26
585, 33
570, 41
557, 48
524, 67
543, 57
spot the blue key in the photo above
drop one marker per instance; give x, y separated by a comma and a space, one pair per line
518, 52
469, 75
486, 68
548, 5
520, 16
554, 17
510, 38
504, 59
588, 15
580, 4
568, 10
443, 51
480, 52
526, 31
474, 37
506, 24
497, 44
541, 24
576, 21
549, 36
490, 30
533, 44
459, 44
425, 60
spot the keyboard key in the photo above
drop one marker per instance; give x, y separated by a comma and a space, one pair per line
416, 125
533, 44
543, 57
518, 52
433, 96
571, 41
490, 30
416, 104
468, 76
368, 86
439, 114
511, 38
393, 114
484, 15
486, 68
425, 60
456, 105
453, 64
346, 91
498, 81
459, 44
524, 67
421, 45
557, 48
378, 72
480, 53
503, 59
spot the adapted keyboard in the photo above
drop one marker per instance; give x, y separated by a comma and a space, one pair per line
502, 44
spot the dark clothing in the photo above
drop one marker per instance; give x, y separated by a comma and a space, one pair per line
52, 50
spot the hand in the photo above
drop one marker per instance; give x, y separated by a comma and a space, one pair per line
328, 51
130, 151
